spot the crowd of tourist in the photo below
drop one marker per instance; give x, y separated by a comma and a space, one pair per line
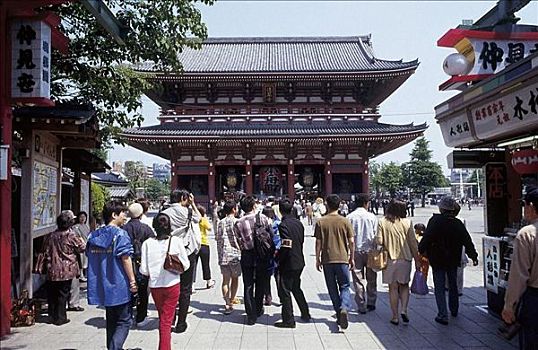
124, 262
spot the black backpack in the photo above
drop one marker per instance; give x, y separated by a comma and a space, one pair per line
263, 240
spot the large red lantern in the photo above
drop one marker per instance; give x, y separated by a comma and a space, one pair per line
525, 161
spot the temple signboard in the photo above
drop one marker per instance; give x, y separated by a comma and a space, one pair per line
31, 59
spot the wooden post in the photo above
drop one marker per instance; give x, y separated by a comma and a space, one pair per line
365, 183
328, 178
249, 188
291, 180
211, 182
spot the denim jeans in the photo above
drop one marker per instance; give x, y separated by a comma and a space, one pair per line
439, 280
338, 284
118, 322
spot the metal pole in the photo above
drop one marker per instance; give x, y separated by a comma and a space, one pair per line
478, 182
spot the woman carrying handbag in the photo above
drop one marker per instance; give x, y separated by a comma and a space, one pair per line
163, 260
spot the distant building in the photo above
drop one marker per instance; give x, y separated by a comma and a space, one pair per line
149, 172
455, 175
117, 167
161, 172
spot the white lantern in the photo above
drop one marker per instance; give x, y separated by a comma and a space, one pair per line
456, 64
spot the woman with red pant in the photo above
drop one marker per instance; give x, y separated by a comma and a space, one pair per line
164, 285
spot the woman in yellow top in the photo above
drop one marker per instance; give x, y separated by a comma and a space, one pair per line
397, 236
204, 254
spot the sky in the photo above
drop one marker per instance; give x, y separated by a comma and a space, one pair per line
400, 30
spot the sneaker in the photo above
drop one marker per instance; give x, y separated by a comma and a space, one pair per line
342, 319
405, 318
281, 324
75, 308
62, 322
180, 328
143, 323
251, 322
441, 321
306, 318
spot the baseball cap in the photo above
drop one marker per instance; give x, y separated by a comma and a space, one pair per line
135, 210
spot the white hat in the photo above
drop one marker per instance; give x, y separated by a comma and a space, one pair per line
135, 210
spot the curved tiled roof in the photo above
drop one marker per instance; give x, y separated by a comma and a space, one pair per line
294, 54
271, 129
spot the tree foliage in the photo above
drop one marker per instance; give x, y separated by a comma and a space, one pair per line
390, 178
135, 173
374, 179
155, 190
99, 197
421, 174
98, 70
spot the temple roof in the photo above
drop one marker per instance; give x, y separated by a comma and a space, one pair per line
293, 55
272, 129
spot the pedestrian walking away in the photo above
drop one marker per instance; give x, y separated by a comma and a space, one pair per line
334, 255
364, 225
523, 278
62, 248
164, 284
229, 255
139, 232
443, 240
290, 266
205, 229
396, 234
184, 221
253, 267
111, 279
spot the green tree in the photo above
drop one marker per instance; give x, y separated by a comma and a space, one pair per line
421, 174
98, 71
374, 179
390, 178
156, 189
100, 196
135, 173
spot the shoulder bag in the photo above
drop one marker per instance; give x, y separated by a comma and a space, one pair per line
172, 262
378, 257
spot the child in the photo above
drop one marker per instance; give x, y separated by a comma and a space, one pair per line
425, 265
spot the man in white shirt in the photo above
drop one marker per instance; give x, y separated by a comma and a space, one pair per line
364, 278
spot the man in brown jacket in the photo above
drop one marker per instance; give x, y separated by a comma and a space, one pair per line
523, 277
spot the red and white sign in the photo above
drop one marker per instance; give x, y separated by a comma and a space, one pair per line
525, 161
487, 52
30, 59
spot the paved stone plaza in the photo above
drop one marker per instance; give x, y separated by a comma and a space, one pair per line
210, 329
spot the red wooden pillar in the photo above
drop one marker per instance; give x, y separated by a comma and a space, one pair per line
365, 182
211, 183
5, 185
291, 180
328, 178
249, 188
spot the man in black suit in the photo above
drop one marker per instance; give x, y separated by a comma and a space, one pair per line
290, 266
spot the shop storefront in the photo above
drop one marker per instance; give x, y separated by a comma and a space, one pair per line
494, 123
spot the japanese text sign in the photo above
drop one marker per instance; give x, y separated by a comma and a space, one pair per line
507, 114
492, 56
30, 59
457, 130
492, 263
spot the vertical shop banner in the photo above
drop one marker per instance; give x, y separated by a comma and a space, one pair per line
85, 196
30, 59
492, 263
496, 198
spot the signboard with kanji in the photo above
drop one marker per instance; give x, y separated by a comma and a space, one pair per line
492, 263
496, 194
492, 56
30, 59
457, 130
508, 114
